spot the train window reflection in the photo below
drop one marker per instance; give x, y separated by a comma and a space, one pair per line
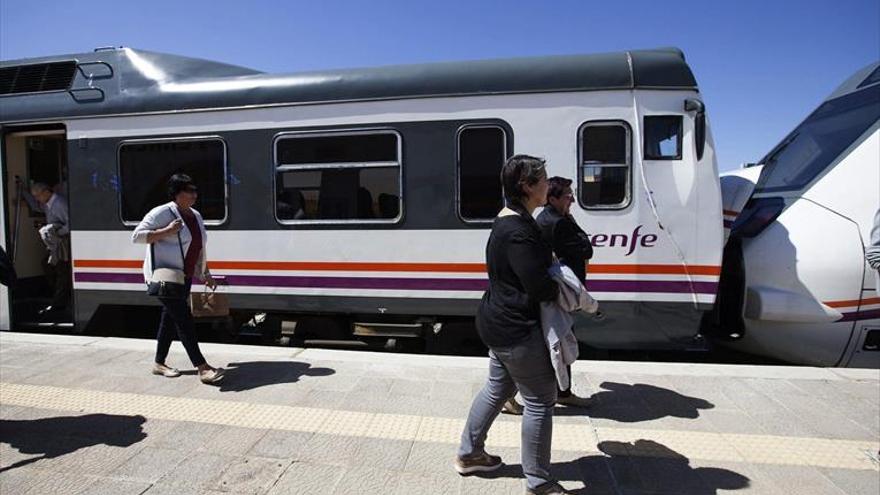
145, 166
338, 177
482, 151
605, 165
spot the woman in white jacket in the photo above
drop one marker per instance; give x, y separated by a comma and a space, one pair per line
170, 245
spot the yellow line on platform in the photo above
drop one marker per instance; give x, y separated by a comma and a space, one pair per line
710, 446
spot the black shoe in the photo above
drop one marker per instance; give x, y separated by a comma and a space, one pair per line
548, 488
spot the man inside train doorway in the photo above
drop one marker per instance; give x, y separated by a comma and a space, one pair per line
55, 236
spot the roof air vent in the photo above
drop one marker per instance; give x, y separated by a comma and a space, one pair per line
37, 78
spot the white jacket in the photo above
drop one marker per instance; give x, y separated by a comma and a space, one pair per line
167, 250
556, 320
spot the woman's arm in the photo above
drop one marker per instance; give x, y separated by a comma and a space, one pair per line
526, 254
149, 230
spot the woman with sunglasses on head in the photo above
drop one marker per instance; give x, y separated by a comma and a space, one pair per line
509, 323
176, 238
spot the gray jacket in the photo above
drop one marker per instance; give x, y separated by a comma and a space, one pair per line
167, 250
556, 320
872, 252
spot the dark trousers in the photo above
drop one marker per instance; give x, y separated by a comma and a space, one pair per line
59, 277
567, 392
177, 318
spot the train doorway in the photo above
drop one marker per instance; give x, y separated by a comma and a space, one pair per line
37, 228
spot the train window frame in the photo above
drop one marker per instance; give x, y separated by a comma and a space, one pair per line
277, 168
211, 137
679, 142
506, 135
628, 165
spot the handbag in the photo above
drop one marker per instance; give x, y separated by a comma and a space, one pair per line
169, 283
207, 304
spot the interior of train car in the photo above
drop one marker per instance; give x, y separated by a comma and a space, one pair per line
34, 155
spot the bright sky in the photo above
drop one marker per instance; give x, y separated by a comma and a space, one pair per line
762, 66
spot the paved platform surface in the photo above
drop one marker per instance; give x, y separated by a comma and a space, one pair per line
82, 415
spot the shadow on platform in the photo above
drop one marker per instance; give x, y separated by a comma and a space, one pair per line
54, 437
641, 466
639, 402
255, 374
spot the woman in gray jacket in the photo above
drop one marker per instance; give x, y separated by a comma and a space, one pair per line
170, 245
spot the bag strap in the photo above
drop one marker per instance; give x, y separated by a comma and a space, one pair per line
179, 242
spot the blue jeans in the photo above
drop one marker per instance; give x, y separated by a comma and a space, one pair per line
524, 366
177, 318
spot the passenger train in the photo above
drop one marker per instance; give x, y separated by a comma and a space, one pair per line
795, 283
365, 197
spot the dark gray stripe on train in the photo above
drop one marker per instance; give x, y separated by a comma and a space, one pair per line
672, 325
88, 301
142, 81
429, 179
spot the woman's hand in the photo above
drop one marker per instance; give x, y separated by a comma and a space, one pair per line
210, 282
173, 227
167, 231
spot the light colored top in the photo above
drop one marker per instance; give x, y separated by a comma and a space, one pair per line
168, 250
872, 252
55, 210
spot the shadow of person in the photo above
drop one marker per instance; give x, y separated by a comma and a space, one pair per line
54, 437
638, 402
255, 374
657, 468
641, 466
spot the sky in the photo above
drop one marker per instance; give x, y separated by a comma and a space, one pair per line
762, 66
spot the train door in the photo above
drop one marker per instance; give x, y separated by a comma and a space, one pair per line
35, 160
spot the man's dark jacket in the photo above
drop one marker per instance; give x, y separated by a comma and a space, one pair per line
569, 242
7, 269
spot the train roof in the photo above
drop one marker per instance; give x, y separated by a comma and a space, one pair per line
127, 80
866, 76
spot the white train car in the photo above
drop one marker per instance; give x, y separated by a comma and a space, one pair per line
795, 283
367, 195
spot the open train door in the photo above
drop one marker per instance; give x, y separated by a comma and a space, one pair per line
31, 155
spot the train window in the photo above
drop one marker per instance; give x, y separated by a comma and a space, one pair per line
338, 177
663, 137
605, 165
146, 165
482, 151
819, 141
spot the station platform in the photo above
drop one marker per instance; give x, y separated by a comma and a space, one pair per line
83, 415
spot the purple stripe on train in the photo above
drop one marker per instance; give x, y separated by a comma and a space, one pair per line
861, 315
452, 284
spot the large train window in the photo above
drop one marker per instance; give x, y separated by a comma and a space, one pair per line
146, 165
336, 177
605, 165
482, 151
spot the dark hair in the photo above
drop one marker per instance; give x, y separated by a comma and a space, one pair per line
556, 186
178, 183
40, 187
520, 170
